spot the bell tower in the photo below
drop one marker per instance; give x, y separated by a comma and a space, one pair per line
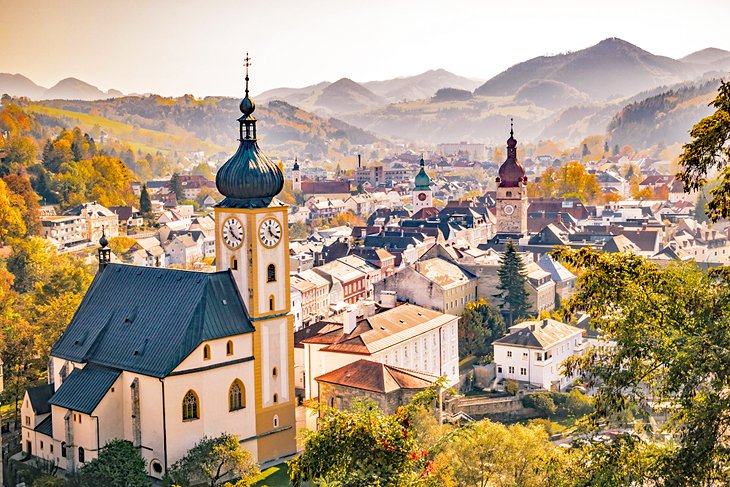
252, 242
512, 199
296, 177
422, 196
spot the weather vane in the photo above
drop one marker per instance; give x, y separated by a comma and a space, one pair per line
246, 64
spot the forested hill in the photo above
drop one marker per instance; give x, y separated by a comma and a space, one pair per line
210, 124
663, 118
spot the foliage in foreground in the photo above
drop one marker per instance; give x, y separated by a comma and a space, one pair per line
118, 464
671, 328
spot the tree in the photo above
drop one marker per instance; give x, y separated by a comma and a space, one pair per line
20, 185
19, 151
211, 460
479, 326
569, 180
492, 454
364, 447
177, 187
708, 150
605, 147
145, 203
119, 464
616, 150
11, 216
512, 284
701, 208
671, 329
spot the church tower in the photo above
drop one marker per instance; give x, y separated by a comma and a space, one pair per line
422, 195
296, 177
512, 193
252, 241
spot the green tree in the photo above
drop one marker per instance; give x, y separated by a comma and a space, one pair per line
364, 447
701, 208
119, 464
211, 460
145, 203
708, 150
512, 284
479, 326
671, 329
177, 187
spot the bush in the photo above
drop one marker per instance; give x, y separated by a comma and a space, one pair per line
511, 387
50, 481
546, 424
577, 404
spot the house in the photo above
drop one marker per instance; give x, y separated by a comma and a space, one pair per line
316, 305
387, 386
146, 252
183, 250
64, 231
533, 352
353, 281
97, 218
564, 279
540, 289
129, 216
405, 336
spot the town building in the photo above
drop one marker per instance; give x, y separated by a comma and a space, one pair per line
533, 352
64, 231
164, 357
422, 196
512, 203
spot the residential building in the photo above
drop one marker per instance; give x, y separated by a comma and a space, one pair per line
64, 231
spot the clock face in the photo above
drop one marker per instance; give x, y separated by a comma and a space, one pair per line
509, 209
233, 233
422, 196
270, 232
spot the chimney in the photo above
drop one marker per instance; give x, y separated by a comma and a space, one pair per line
545, 322
368, 308
349, 320
388, 299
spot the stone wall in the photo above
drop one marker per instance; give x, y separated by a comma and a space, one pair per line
344, 397
494, 408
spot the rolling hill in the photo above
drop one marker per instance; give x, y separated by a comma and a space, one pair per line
610, 69
66, 89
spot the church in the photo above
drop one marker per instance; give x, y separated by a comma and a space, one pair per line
163, 357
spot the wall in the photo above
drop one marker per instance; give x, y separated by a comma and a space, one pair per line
497, 409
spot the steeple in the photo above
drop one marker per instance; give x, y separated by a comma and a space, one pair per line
296, 164
105, 253
422, 181
249, 179
511, 172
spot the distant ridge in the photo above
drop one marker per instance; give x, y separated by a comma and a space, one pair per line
344, 95
706, 56
66, 89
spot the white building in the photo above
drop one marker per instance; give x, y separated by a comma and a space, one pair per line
534, 351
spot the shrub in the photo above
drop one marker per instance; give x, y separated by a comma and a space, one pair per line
511, 387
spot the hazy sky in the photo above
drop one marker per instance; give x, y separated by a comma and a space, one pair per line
174, 47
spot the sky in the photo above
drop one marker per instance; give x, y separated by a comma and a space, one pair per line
174, 47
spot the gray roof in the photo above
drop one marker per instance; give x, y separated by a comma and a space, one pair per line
39, 397
84, 388
147, 319
45, 427
557, 271
538, 334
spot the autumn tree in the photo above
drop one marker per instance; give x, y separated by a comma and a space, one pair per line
512, 284
19, 151
118, 464
710, 150
19, 184
571, 180
479, 326
11, 216
671, 329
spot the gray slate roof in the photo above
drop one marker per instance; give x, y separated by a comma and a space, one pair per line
39, 397
147, 319
84, 388
45, 427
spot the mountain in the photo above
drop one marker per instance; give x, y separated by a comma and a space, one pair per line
550, 94
293, 95
75, 89
612, 68
19, 85
706, 56
344, 96
423, 85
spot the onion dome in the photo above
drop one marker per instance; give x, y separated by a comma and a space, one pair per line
511, 172
296, 165
249, 179
423, 182
103, 241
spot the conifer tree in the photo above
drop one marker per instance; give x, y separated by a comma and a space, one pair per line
512, 284
145, 203
177, 187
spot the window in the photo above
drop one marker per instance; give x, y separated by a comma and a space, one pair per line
271, 303
190, 409
523, 371
41, 445
234, 264
275, 372
276, 398
511, 369
236, 396
538, 356
509, 353
276, 421
271, 273
82, 456
27, 420
499, 369
524, 355
157, 467
509, 193
206, 352
63, 449
229, 348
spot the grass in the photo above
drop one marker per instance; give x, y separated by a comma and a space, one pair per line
467, 362
146, 140
275, 476
8, 410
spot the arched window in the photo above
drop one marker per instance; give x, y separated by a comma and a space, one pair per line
234, 264
190, 408
271, 273
229, 348
63, 449
236, 396
271, 303
206, 352
276, 421
275, 372
82, 456
276, 398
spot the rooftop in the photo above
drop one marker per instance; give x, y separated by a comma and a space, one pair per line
377, 377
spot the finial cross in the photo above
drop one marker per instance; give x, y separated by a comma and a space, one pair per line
246, 64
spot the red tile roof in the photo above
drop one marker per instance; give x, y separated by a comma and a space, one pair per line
377, 377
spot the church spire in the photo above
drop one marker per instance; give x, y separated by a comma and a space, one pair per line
105, 253
511, 173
